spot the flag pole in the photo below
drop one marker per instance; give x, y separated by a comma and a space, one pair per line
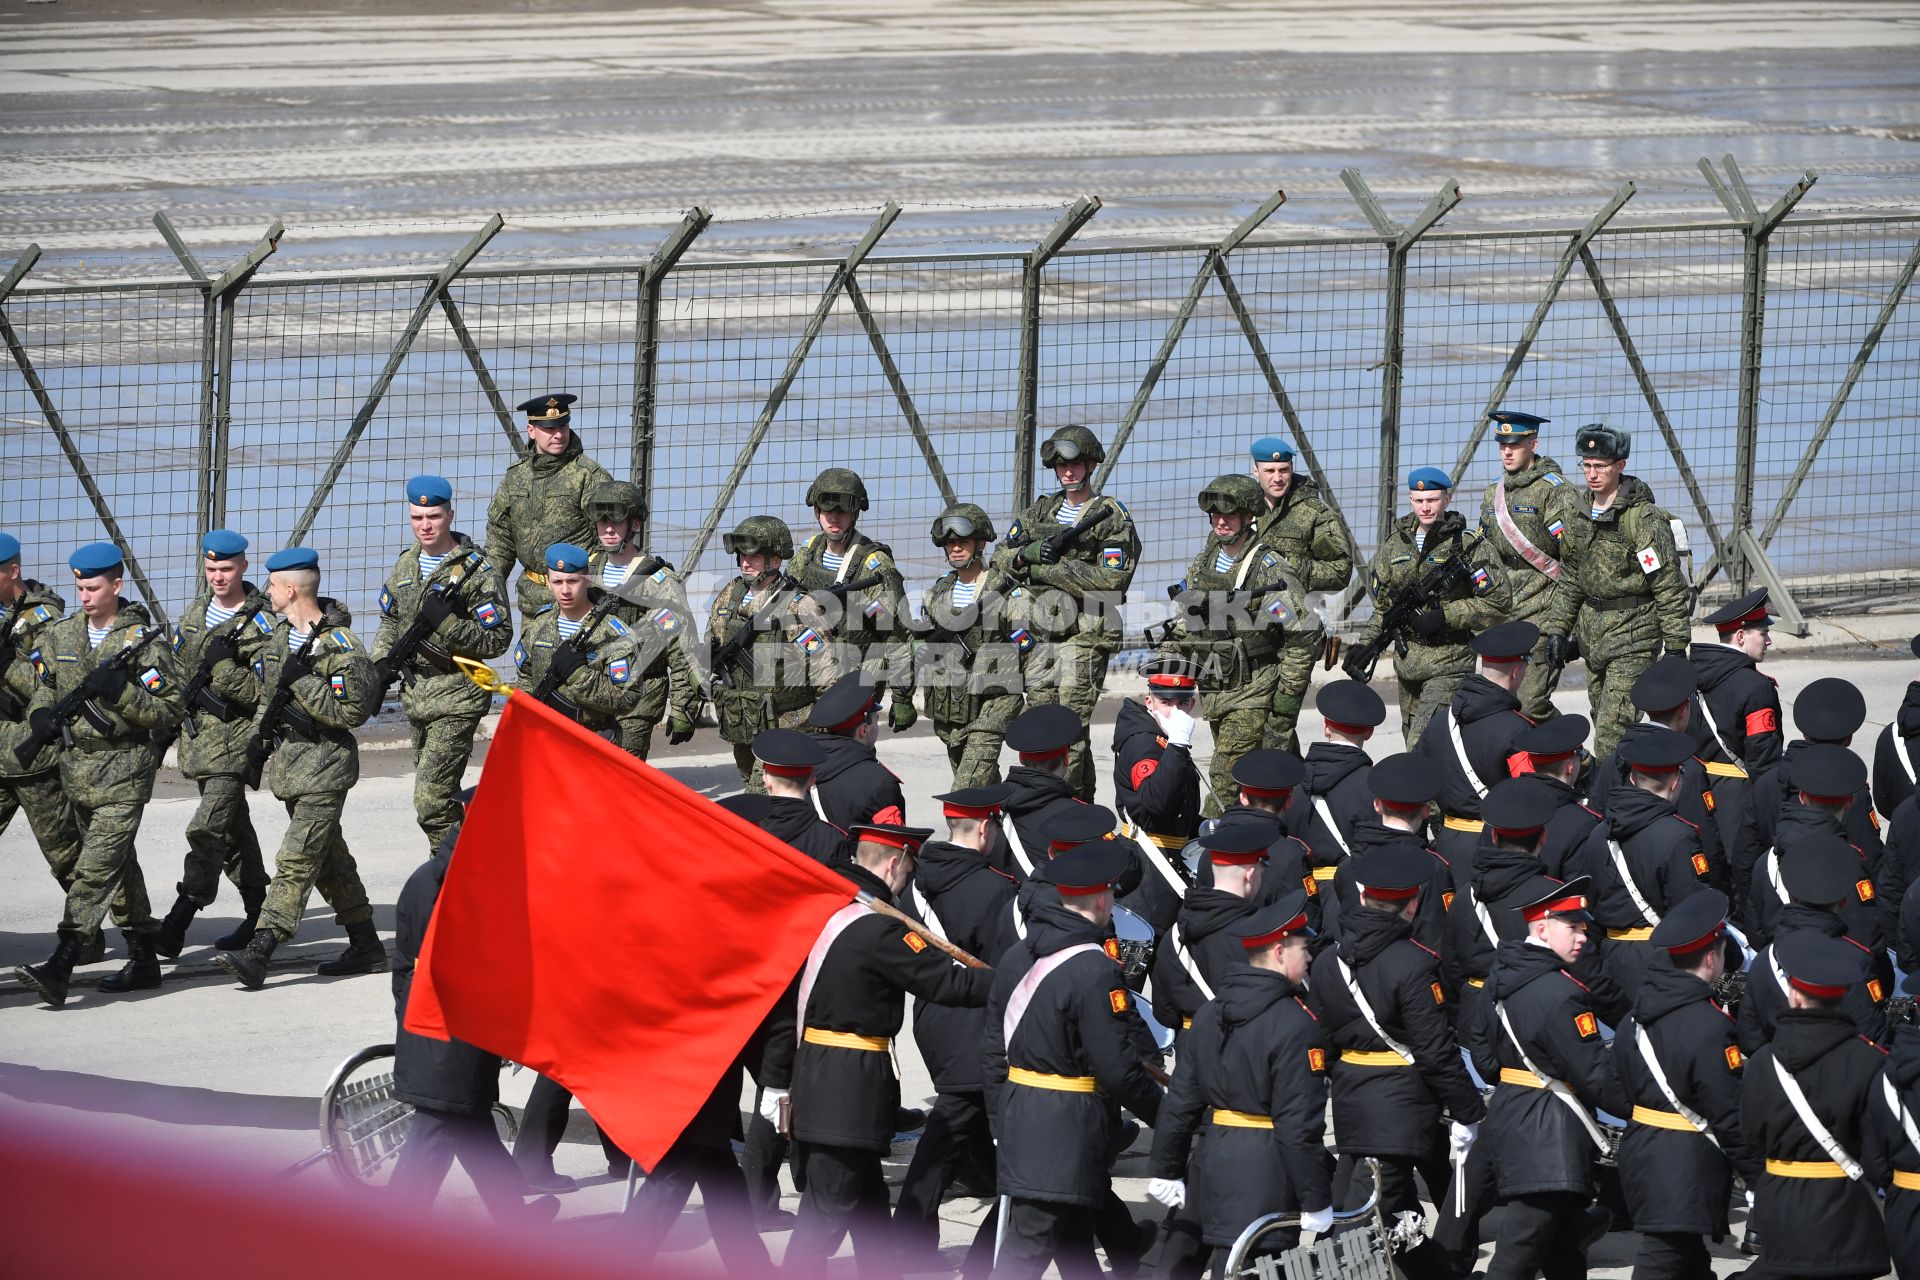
484, 676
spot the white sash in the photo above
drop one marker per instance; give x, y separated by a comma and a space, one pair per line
1559, 1088
1185, 957
1023, 993
836, 925
1528, 552
1903, 752
1366, 1011
813, 794
1713, 727
1647, 913
1659, 1074
1333, 828
1900, 1111
1460, 750
1772, 863
1019, 850
1821, 1134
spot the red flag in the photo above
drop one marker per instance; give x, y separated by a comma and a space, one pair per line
608, 927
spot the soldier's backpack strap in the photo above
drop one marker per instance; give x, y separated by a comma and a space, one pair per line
1659, 1074
1625, 873
1366, 1011
1821, 1134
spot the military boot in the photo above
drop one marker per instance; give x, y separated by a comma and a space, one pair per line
250, 965
172, 933
236, 938
49, 980
141, 972
95, 949
364, 953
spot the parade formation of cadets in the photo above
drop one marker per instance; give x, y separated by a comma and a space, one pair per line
1500, 969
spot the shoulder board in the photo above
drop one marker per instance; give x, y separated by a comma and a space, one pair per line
1575, 981
41, 613
1424, 947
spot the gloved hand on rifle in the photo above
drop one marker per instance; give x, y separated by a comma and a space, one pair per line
105, 682
1428, 623
40, 725
436, 607
220, 648
385, 672
1041, 551
900, 712
679, 728
1354, 664
257, 752
1558, 652
567, 659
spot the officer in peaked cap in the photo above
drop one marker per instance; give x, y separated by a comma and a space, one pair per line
1470, 741
1555, 754
1040, 790
542, 500
1736, 726
851, 784
1514, 522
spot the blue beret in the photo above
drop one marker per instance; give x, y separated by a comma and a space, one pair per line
293, 558
95, 559
223, 544
564, 557
549, 410
9, 547
429, 491
1426, 479
1511, 424
1271, 449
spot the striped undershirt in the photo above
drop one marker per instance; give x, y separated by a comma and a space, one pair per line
296, 640
216, 614
430, 563
964, 593
96, 634
612, 575
1069, 512
569, 627
1222, 561
831, 560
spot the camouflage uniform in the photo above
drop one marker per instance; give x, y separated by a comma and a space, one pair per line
655, 609
1623, 612
35, 788
1306, 533
1431, 669
213, 752
443, 707
605, 688
869, 624
312, 775
1064, 644
970, 700
542, 500
1530, 492
754, 696
1242, 647
108, 777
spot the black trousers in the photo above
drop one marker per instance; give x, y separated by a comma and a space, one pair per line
1041, 1231
1541, 1236
1672, 1256
846, 1193
723, 1194
543, 1125
1399, 1193
435, 1141
1459, 1233
956, 1131
765, 1152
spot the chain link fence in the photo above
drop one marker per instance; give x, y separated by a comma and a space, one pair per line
1767, 373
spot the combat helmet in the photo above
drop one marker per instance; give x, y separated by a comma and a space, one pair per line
1233, 495
1071, 443
616, 500
838, 489
962, 520
760, 536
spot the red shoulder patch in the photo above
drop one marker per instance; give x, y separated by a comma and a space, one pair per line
1875, 990
1733, 1057
1865, 889
1117, 1000
1312, 885
1586, 1024
1112, 948
1699, 864
1141, 772
1765, 720
1439, 996
1159, 741
1316, 1059
1707, 798
914, 941
1446, 900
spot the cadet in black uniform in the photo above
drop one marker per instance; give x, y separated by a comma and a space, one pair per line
1264, 780
1470, 740
1553, 757
1893, 1143
1827, 779
1645, 858
1896, 752
1545, 1030
1818, 875
1680, 1062
965, 900
788, 758
1334, 796
1403, 788
851, 785
852, 1000
1736, 717
1155, 782
1242, 1130
1803, 1106
1060, 1063
1196, 951
1386, 1015
1038, 789
1664, 693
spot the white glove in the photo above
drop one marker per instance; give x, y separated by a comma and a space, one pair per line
1749, 1202
770, 1100
1170, 1192
1319, 1222
1177, 725
1460, 1137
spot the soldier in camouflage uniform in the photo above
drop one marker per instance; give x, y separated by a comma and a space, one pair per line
446, 582
1513, 525
542, 500
970, 672
1436, 657
215, 645
1063, 613
654, 607
1621, 593
1242, 616
1297, 522
107, 773
27, 608
772, 649
869, 623
332, 688
578, 657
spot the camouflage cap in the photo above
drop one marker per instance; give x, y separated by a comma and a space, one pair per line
1071, 443
1233, 494
616, 500
962, 520
837, 489
760, 536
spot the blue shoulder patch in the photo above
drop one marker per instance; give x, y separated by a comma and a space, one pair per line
343, 640
1554, 477
178, 639
519, 654
41, 613
619, 627
386, 601
260, 621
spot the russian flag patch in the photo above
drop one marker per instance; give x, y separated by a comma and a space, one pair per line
487, 614
1482, 582
1557, 528
619, 670
339, 683
1114, 557
152, 681
808, 641
666, 622
1022, 639
1278, 611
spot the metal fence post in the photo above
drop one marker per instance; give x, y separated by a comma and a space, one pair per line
1026, 434
646, 343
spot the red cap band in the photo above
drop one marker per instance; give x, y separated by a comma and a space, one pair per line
1266, 793
1816, 990
1390, 895
951, 810
786, 770
1351, 730
1515, 831
1293, 926
1237, 859
1055, 754
1547, 757
1657, 768
1163, 680
890, 839
1081, 890
1739, 623
1577, 902
1701, 943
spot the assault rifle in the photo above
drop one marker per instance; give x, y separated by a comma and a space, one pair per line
58, 719
282, 712
1430, 592
414, 640
199, 696
570, 655
1057, 543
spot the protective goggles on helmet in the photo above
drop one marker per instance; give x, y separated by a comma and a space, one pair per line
1216, 503
844, 503
1055, 452
599, 511
744, 544
947, 528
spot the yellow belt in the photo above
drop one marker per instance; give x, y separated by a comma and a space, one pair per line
1906, 1181
1452, 823
1373, 1058
1476, 982
1059, 1084
1173, 843
1721, 769
1662, 1119
531, 576
1805, 1169
1630, 935
846, 1040
1240, 1119
1324, 874
1520, 1075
